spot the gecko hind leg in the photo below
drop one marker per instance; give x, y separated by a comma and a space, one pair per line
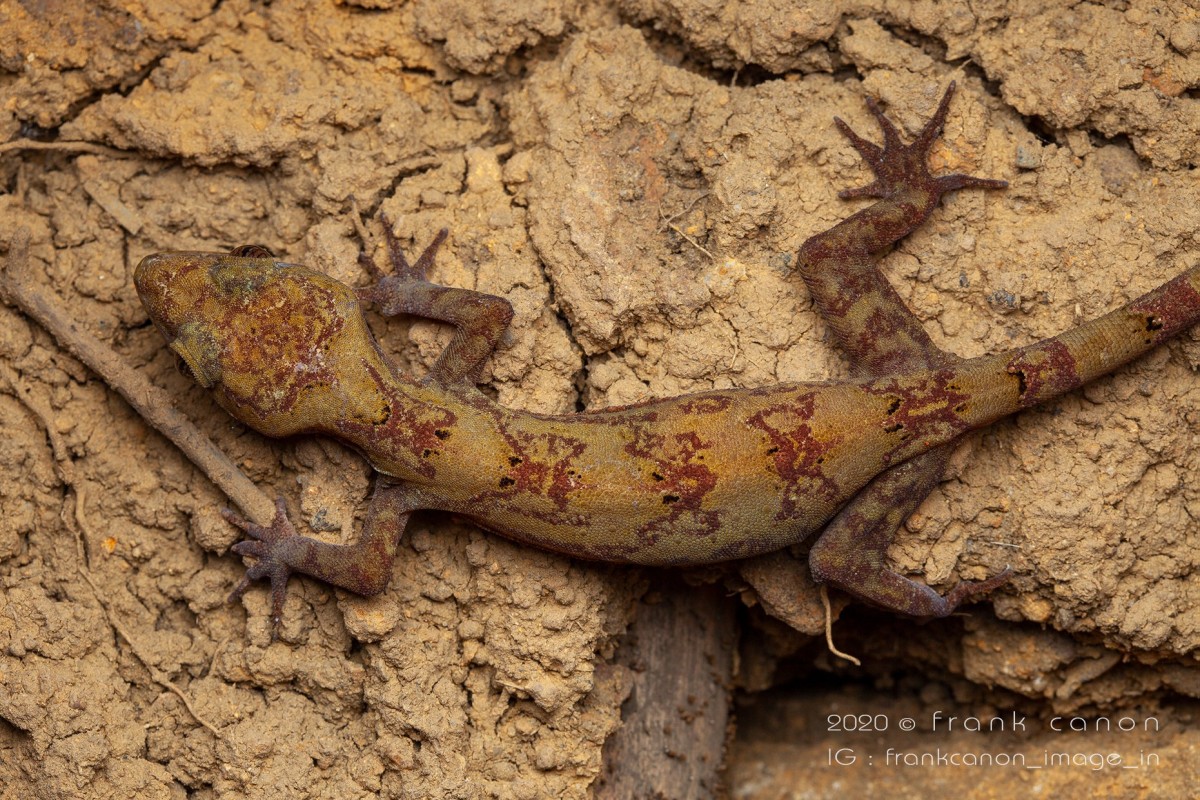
851, 552
479, 319
840, 266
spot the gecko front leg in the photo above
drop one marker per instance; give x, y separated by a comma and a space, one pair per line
479, 319
364, 567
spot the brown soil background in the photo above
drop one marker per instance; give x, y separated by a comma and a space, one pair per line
634, 176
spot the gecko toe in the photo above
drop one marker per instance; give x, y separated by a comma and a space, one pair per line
280, 528
252, 548
235, 519
966, 590
873, 189
950, 183
273, 567
240, 589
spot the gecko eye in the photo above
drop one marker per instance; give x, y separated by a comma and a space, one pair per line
189, 365
251, 251
182, 365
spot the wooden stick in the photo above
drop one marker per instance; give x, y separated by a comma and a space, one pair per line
675, 724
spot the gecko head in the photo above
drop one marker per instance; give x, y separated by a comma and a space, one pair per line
187, 296
280, 345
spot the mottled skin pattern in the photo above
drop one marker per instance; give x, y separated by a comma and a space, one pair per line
687, 480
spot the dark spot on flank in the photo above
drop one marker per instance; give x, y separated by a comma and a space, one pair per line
894, 406
670, 498
772, 451
426, 453
656, 476
960, 408
1021, 385
443, 435
514, 460
1153, 323
506, 481
895, 426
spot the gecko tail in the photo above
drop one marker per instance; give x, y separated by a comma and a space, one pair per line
1026, 376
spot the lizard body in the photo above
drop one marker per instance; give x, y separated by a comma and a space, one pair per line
708, 477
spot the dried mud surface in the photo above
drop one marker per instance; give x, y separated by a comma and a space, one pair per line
635, 177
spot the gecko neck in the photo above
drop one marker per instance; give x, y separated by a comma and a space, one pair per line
421, 425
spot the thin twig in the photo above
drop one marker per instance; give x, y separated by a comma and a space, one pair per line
683, 210
65, 147
668, 222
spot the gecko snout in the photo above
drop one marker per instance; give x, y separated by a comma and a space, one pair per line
150, 276
167, 286
172, 288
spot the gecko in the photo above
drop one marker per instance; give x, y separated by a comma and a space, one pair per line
695, 479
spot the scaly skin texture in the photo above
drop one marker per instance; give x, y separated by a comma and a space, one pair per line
695, 479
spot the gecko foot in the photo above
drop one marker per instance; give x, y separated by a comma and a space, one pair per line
481, 319
965, 590
898, 166
276, 547
401, 268
404, 276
